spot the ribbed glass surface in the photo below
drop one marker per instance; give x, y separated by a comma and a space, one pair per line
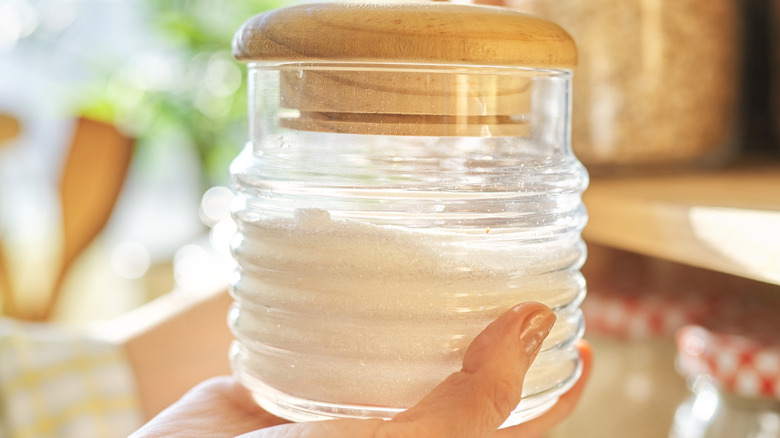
367, 264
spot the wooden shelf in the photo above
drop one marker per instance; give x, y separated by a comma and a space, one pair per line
727, 221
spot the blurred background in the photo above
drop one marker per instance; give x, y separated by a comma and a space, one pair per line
157, 80
119, 118
156, 83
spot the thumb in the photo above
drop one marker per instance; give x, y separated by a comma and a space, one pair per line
475, 401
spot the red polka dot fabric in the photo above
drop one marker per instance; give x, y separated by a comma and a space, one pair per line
726, 328
634, 314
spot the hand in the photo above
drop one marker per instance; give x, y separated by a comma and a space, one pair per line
471, 403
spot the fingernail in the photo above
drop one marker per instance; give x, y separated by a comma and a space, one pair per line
536, 329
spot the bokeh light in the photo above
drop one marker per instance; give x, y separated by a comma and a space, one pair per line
130, 260
215, 205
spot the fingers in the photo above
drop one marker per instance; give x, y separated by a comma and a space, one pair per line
342, 428
538, 427
470, 403
475, 401
218, 407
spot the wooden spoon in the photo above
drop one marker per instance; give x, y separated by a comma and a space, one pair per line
95, 170
9, 129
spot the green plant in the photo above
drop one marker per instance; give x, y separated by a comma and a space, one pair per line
186, 87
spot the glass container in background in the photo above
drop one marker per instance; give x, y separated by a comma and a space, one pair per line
635, 306
409, 177
732, 364
657, 85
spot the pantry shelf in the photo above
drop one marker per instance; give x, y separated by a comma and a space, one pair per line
726, 220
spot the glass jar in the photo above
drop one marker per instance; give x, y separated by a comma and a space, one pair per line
657, 84
732, 365
403, 186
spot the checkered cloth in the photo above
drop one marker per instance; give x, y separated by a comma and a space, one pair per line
54, 383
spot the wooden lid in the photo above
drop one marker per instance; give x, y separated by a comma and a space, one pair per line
337, 60
434, 32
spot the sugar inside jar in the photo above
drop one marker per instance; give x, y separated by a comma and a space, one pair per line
409, 177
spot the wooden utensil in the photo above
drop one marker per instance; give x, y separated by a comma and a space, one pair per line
95, 170
9, 129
